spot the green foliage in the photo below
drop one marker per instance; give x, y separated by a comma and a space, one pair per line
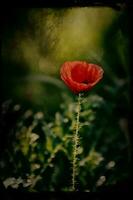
40, 153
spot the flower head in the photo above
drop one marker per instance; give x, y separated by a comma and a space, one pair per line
80, 76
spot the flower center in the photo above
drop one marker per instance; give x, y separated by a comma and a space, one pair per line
79, 74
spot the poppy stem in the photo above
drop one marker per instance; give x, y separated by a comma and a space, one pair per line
76, 145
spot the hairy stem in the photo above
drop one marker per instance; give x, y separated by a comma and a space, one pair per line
76, 145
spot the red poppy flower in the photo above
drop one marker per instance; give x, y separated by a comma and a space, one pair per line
80, 76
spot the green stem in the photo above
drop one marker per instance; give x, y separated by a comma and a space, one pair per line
76, 145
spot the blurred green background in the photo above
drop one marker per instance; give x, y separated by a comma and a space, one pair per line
37, 109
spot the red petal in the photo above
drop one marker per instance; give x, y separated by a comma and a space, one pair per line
80, 76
